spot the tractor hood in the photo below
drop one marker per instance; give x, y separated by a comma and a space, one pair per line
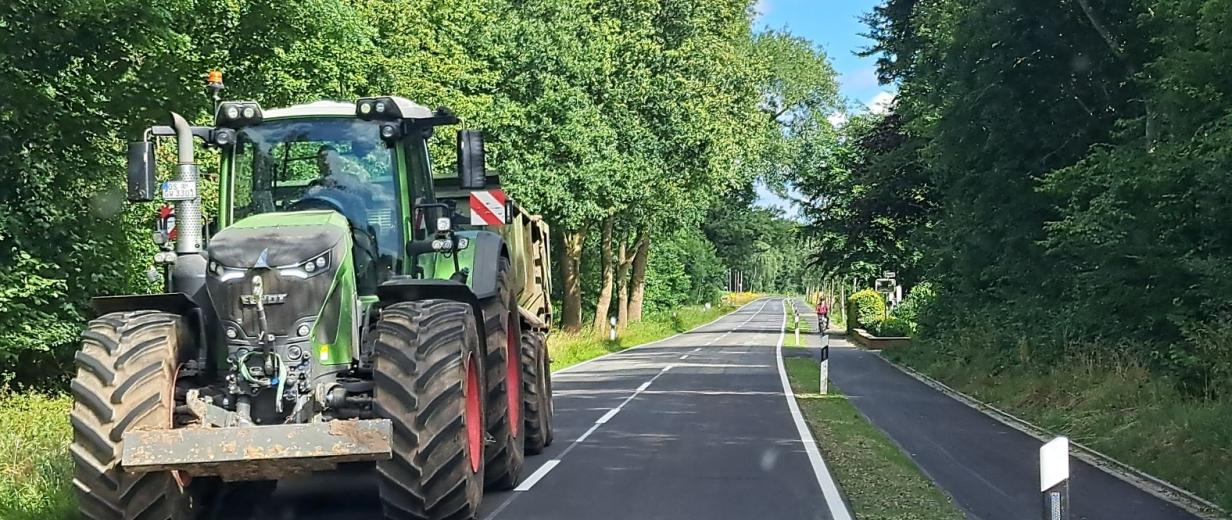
276, 240
304, 262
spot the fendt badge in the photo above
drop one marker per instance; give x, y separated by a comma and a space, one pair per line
258, 293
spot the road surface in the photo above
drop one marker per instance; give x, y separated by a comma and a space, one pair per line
990, 469
696, 426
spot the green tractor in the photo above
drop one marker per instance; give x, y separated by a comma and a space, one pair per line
343, 306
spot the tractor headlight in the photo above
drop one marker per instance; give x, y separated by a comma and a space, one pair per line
222, 272
390, 108
236, 114
310, 267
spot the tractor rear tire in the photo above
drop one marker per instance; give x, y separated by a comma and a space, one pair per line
506, 455
126, 372
536, 391
429, 380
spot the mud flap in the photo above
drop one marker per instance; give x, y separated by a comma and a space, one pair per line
257, 452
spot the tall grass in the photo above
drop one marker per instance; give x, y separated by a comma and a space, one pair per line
1108, 402
35, 470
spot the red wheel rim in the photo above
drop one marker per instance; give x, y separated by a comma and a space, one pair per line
513, 376
474, 430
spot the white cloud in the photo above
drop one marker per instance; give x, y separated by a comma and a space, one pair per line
881, 103
837, 119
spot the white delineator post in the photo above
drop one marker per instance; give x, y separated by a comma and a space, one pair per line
612, 334
1054, 479
825, 362
797, 327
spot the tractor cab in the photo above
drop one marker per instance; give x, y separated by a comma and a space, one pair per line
368, 161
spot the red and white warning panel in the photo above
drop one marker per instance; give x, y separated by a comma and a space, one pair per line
487, 208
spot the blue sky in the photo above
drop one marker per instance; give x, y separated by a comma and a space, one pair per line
835, 26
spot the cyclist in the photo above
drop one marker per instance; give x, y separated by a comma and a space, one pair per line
823, 316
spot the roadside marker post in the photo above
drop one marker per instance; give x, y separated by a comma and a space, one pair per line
612, 334
1054, 479
825, 363
797, 326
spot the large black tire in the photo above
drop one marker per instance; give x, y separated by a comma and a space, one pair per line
536, 391
125, 376
505, 455
428, 374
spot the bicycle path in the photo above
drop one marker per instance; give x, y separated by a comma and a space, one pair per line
990, 469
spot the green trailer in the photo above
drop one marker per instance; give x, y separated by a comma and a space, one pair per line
340, 307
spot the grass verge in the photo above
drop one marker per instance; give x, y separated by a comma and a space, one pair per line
35, 470
571, 349
1116, 407
879, 481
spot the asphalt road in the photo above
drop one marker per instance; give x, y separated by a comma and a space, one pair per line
696, 426
990, 469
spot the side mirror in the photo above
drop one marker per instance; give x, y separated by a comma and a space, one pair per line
141, 167
472, 174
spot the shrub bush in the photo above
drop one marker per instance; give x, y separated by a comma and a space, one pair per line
866, 307
891, 327
920, 297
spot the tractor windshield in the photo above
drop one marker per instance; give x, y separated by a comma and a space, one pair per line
322, 163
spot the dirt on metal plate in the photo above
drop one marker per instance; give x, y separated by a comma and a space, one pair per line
257, 452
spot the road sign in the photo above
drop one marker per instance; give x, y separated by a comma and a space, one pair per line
884, 285
488, 208
888, 274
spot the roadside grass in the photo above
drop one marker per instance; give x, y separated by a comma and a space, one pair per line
1115, 407
571, 349
35, 470
878, 480
740, 298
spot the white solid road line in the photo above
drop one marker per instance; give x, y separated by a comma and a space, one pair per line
537, 475
829, 490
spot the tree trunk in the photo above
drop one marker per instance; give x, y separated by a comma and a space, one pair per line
638, 293
624, 262
571, 270
604, 304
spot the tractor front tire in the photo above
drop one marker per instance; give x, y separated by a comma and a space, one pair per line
536, 391
125, 377
505, 411
429, 379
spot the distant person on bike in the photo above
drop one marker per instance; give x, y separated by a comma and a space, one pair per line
823, 315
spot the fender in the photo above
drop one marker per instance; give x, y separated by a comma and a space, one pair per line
173, 303
406, 289
489, 247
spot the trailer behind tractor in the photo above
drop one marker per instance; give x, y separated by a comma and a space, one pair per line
340, 307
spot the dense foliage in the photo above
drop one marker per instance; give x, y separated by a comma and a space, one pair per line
624, 123
865, 307
1058, 170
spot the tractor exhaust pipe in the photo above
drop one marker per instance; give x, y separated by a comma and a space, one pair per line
187, 212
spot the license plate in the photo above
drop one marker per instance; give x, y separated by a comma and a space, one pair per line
179, 190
